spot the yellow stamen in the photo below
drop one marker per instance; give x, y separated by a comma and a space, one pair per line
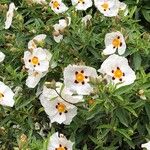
61, 107
35, 60
61, 148
80, 77
105, 6
118, 73
80, 1
55, 4
116, 42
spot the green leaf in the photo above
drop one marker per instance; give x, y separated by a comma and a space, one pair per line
147, 108
85, 147
146, 14
122, 116
137, 61
124, 133
130, 109
124, 89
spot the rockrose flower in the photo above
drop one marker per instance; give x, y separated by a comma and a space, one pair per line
59, 142
58, 6
59, 110
76, 79
6, 95
117, 70
37, 60
82, 4
114, 41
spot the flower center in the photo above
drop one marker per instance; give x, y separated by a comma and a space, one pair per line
118, 74
61, 148
117, 42
61, 107
105, 6
55, 4
81, 1
80, 77
1, 96
35, 60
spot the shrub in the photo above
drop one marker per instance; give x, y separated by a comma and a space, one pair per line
110, 118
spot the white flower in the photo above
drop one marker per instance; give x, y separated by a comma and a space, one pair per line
82, 4
124, 8
59, 142
6, 95
76, 79
37, 60
114, 42
58, 6
32, 44
86, 19
59, 29
59, 110
109, 8
146, 145
34, 77
65, 93
42, 2
2, 56
9, 15
117, 70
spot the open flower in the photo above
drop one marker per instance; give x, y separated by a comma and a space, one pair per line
59, 110
146, 145
114, 41
32, 44
59, 142
76, 79
86, 19
65, 93
34, 77
58, 6
59, 29
6, 95
2, 56
117, 70
9, 15
82, 4
37, 60
109, 8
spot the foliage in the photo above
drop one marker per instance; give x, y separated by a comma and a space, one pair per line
117, 119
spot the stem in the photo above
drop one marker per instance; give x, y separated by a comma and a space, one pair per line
62, 97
